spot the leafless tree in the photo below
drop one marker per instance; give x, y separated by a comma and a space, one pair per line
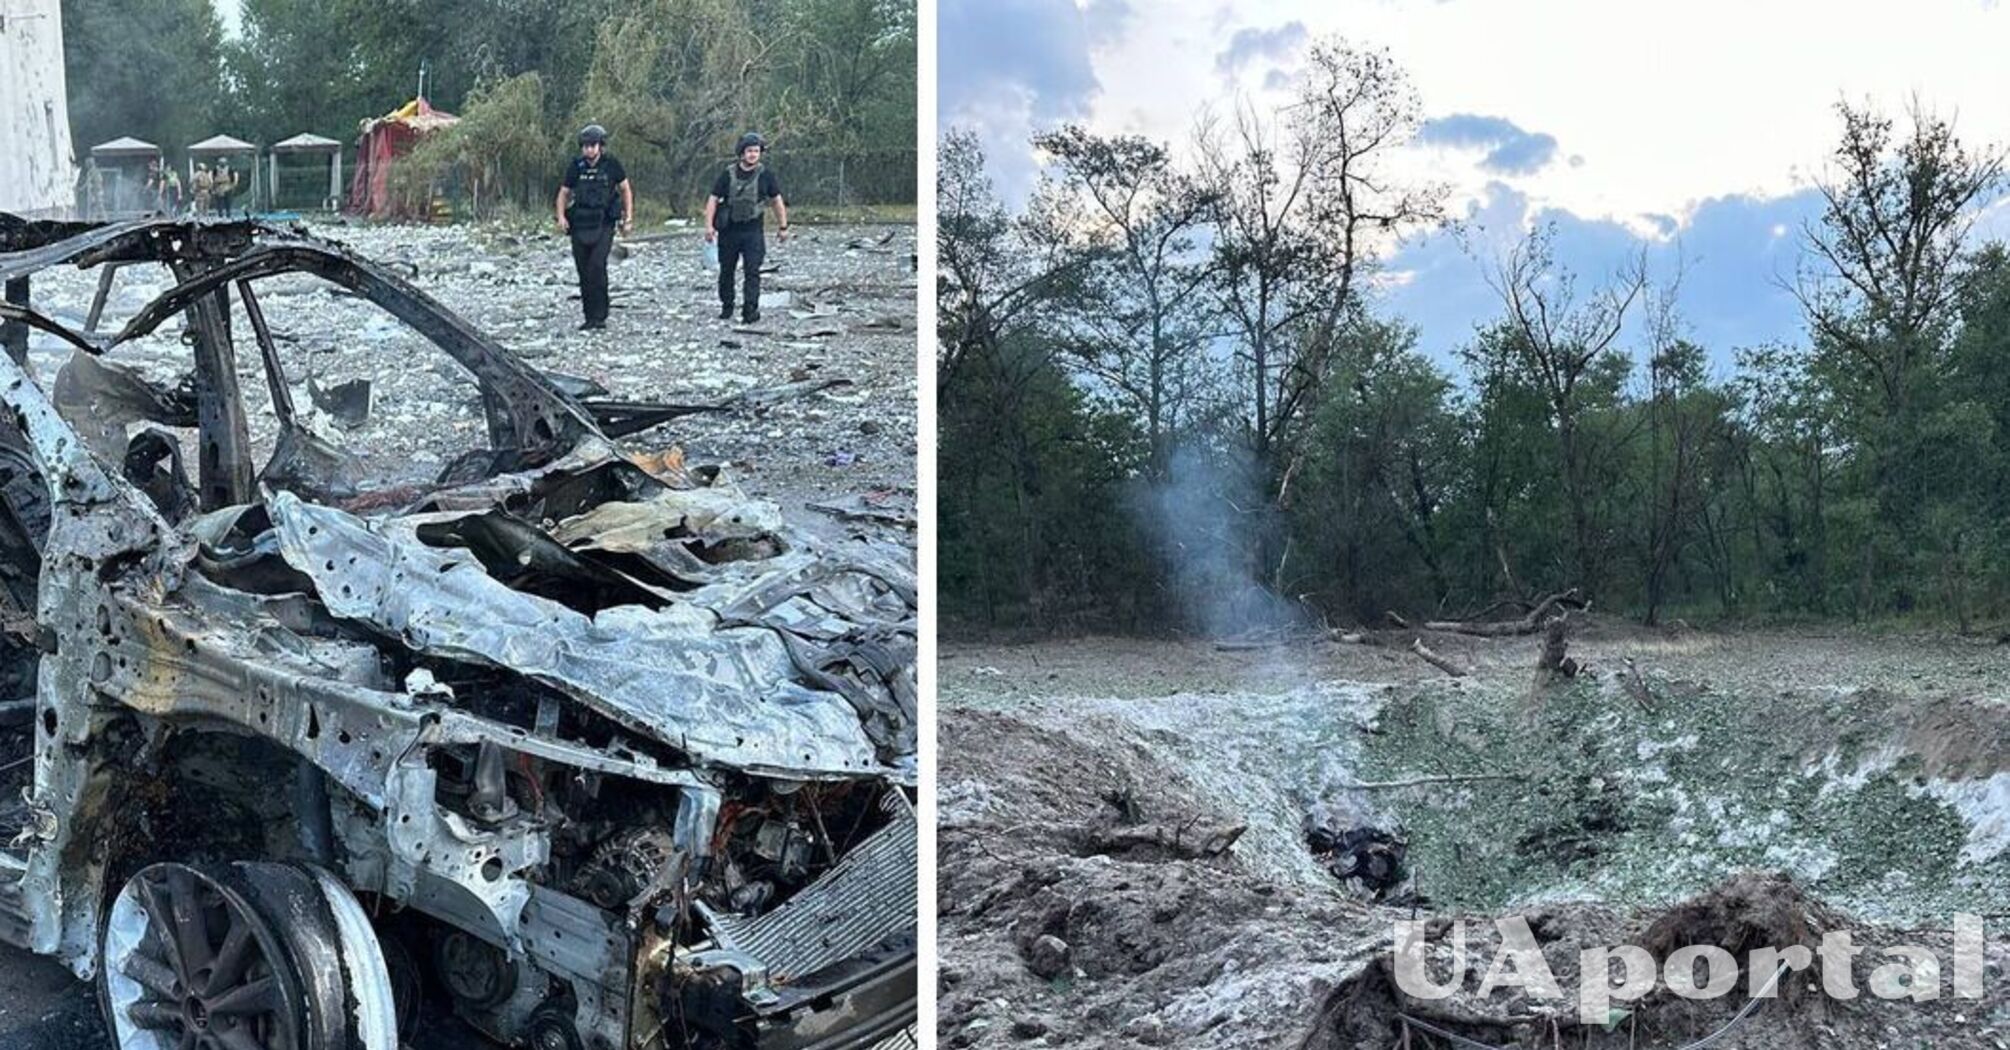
994, 272
1142, 327
1561, 332
1305, 205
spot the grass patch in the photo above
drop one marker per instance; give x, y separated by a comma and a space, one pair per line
1645, 808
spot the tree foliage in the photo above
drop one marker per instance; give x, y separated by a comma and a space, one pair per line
1580, 440
151, 69
1140, 318
503, 147
677, 81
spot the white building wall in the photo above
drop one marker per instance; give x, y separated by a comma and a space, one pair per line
38, 172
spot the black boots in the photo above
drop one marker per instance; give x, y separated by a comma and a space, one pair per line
726, 312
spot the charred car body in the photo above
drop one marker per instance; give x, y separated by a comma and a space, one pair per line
610, 757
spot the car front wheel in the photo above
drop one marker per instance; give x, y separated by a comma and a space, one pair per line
246, 956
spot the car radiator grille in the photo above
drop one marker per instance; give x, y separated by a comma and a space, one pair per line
868, 897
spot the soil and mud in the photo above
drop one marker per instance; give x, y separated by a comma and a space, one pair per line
1742, 790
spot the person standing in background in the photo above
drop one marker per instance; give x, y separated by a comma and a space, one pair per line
156, 186
594, 200
204, 183
223, 187
94, 190
733, 212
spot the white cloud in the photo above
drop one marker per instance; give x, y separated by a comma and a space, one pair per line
1693, 130
232, 13
1726, 96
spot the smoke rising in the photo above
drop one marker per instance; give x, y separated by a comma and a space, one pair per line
1210, 525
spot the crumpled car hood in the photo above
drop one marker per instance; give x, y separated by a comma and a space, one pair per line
727, 694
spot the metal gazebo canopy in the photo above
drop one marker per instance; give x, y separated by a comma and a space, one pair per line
120, 165
223, 147
126, 148
307, 144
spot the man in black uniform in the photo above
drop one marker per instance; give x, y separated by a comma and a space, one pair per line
733, 217
594, 201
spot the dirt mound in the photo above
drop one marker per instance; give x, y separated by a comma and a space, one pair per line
1956, 737
1751, 911
1136, 947
1864, 776
1373, 1010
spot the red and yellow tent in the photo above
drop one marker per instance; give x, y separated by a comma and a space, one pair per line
380, 143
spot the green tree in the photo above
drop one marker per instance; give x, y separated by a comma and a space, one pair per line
1304, 210
1565, 349
1685, 416
324, 67
151, 69
1384, 464
1034, 528
1884, 270
675, 82
302, 66
1516, 492
995, 274
848, 83
502, 146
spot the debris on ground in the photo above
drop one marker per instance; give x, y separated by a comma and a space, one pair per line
1352, 851
890, 506
347, 404
662, 346
493, 717
1773, 787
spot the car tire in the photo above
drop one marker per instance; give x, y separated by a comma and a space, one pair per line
230, 957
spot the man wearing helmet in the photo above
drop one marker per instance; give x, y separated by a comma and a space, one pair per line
733, 218
594, 200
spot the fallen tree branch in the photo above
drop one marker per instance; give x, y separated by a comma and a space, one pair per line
1177, 841
1536, 619
1519, 604
1450, 778
1238, 645
1417, 646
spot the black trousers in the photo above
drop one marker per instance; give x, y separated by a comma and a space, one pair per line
736, 246
589, 256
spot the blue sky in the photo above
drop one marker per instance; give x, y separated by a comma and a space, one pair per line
1695, 129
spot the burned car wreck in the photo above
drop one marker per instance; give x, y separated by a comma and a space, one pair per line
603, 756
